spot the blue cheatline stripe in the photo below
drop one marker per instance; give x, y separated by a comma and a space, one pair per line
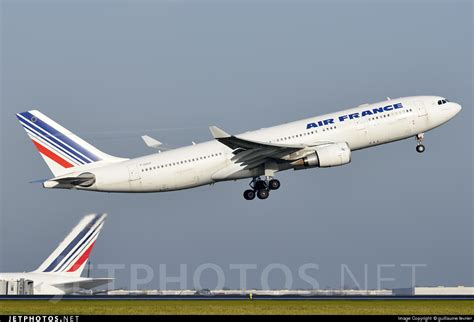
72, 244
53, 147
63, 137
47, 136
78, 249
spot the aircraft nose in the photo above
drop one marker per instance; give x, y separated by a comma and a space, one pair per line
457, 108
452, 109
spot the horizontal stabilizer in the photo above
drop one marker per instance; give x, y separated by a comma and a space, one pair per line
84, 179
83, 283
39, 181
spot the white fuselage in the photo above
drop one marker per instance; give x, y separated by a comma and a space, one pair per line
210, 162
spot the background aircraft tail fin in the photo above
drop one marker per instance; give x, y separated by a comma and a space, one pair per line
60, 148
70, 257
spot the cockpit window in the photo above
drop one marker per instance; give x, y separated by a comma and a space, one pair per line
443, 101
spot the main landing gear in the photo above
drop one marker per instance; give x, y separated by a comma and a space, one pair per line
261, 188
420, 148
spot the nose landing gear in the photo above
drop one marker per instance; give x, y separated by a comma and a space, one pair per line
420, 148
261, 188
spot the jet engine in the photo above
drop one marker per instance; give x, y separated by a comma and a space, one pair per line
325, 156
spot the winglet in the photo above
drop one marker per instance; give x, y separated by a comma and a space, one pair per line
151, 142
217, 133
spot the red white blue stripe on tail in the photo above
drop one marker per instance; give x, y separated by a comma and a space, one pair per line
71, 255
59, 145
61, 149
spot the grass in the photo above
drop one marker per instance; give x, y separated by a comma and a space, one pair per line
81, 307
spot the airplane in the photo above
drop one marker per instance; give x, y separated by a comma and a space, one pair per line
321, 141
61, 272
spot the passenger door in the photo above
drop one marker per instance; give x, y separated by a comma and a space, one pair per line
133, 173
420, 116
421, 109
362, 133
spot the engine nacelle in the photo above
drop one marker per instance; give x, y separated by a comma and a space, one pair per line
326, 156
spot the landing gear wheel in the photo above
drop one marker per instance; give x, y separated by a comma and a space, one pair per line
420, 148
249, 194
274, 184
263, 194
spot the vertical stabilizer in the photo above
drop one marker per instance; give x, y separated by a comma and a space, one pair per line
70, 257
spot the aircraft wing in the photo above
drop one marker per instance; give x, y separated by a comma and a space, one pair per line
151, 142
252, 154
83, 283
